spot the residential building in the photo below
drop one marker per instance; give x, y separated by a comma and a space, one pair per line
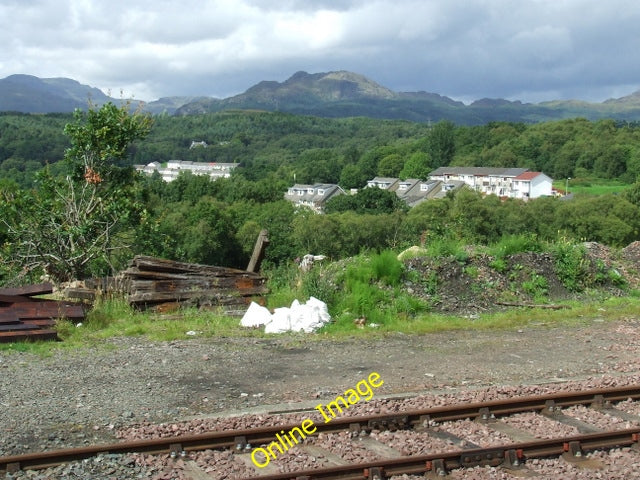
384, 183
414, 191
173, 168
532, 185
314, 196
503, 182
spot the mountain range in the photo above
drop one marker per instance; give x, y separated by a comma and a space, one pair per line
331, 94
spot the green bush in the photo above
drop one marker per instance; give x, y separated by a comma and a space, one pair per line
571, 265
537, 285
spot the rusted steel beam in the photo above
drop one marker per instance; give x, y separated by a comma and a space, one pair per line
35, 334
10, 299
29, 290
15, 327
44, 310
33, 323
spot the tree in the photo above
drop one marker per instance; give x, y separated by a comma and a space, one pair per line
442, 146
352, 177
391, 165
99, 140
70, 225
418, 165
368, 200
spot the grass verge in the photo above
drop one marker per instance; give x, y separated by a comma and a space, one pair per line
114, 318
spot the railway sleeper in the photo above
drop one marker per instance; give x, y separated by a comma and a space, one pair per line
573, 454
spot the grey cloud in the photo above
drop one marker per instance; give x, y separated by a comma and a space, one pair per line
467, 49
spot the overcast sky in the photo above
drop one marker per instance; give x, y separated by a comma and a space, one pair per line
531, 50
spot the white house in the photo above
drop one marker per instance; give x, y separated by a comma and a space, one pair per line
503, 182
531, 185
312, 196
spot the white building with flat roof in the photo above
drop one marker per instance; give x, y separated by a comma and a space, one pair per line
173, 168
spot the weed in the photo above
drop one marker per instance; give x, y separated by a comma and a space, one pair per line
512, 244
472, 271
499, 265
536, 286
387, 268
430, 283
446, 247
317, 283
571, 265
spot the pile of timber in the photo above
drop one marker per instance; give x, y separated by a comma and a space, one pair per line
23, 316
91, 289
165, 284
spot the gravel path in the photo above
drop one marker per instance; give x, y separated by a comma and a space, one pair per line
86, 397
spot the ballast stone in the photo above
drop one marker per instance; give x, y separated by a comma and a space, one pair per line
300, 317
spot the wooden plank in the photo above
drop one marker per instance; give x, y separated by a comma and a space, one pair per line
258, 251
134, 273
29, 290
199, 283
196, 294
145, 263
80, 293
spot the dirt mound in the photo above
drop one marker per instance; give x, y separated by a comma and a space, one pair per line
481, 283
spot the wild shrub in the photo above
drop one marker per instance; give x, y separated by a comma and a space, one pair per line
571, 265
537, 285
318, 283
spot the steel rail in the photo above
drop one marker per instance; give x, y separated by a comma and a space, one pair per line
512, 456
242, 440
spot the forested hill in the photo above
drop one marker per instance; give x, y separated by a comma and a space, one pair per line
332, 95
348, 151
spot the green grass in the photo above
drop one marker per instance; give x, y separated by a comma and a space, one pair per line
512, 244
586, 186
114, 319
576, 313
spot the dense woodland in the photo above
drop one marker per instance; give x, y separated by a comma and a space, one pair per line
194, 219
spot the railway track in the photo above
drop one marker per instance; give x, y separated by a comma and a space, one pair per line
510, 447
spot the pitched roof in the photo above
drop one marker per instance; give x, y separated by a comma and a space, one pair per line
528, 175
478, 171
